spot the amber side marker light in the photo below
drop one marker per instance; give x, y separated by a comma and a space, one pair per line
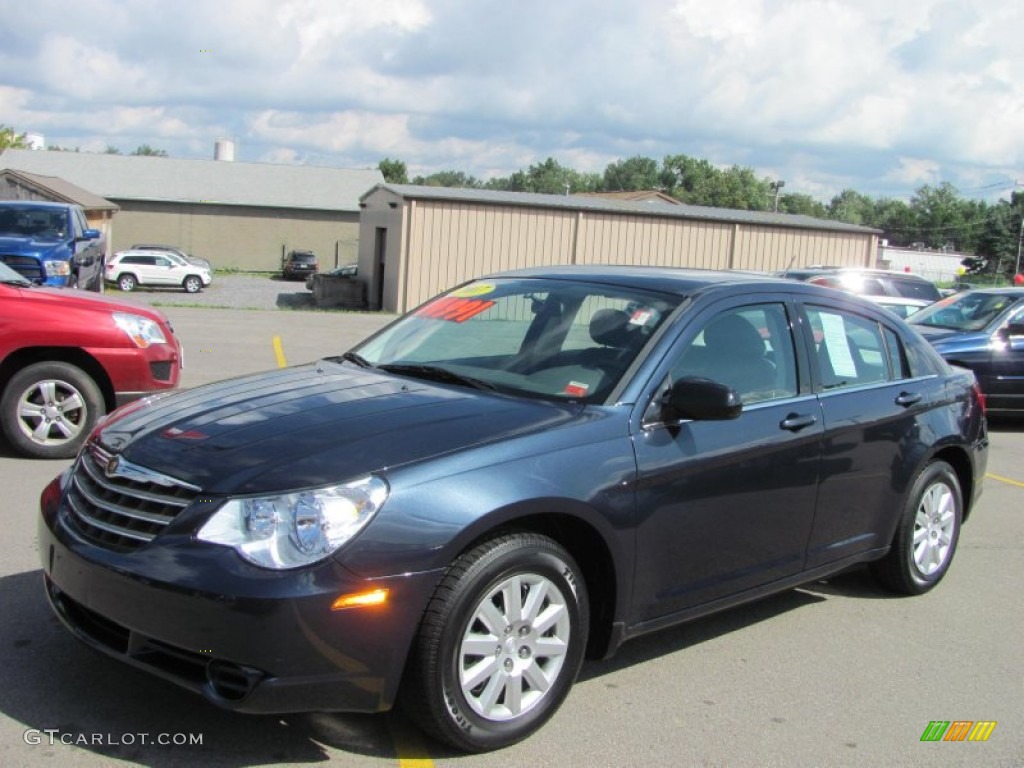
360, 599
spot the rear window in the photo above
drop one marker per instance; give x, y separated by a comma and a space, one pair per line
917, 289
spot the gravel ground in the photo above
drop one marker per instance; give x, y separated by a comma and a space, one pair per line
234, 291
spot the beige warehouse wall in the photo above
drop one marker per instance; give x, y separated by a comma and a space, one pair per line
243, 238
433, 245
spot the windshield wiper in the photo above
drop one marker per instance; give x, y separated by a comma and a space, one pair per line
436, 373
355, 357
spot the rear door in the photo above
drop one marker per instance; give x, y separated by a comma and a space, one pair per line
872, 407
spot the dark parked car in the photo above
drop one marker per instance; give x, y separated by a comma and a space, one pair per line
345, 270
532, 467
868, 282
299, 264
982, 330
68, 357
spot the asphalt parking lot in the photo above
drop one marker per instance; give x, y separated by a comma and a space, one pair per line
834, 673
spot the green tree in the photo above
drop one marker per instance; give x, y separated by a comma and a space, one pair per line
804, 205
110, 150
9, 139
548, 177
457, 179
852, 207
634, 173
148, 151
394, 171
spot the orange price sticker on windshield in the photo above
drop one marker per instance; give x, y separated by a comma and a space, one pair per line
454, 309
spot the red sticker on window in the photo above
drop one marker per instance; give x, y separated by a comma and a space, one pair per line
575, 389
454, 309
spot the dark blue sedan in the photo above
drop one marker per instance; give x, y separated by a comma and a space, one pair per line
534, 467
982, 330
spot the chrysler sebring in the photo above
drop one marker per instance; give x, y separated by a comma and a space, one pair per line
527, 470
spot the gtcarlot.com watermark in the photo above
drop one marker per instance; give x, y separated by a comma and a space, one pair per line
52, 736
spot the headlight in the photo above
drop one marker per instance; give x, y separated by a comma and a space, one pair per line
57, 268
296, 529
141, 330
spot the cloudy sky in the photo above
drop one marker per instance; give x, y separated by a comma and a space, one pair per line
881, 96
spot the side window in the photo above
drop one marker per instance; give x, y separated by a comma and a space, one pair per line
849, 349
897, 359
747, 348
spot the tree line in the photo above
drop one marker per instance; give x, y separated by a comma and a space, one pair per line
936, 217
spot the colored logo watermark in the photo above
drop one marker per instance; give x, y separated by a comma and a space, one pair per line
958, 730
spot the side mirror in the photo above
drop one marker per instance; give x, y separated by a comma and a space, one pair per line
90, 234
700, 399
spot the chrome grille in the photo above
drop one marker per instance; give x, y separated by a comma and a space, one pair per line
120, 506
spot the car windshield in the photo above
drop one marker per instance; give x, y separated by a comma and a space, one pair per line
41, 223
303, 257
964, 311
533, 337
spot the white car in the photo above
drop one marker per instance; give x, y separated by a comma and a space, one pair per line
899, 305
129, 269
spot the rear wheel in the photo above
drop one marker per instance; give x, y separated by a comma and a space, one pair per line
49, 409
929, 530
500, 644
127, 282
192, 284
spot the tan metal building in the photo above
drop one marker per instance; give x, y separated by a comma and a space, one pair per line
417, 241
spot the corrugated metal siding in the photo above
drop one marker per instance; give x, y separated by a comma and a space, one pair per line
434, 244
450, 243
769, 249
637, 240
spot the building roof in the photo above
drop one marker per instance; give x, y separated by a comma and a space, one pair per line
627, 207
174, 180
645, 195
60, 190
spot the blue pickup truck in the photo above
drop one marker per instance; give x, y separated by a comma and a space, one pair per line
51, 244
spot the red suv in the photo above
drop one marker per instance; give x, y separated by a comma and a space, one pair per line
67, 357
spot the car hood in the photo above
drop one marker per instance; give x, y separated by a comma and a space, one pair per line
312, 425
28, 246
948, 338
72, 298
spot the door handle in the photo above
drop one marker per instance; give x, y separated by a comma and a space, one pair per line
908, 398
797, 421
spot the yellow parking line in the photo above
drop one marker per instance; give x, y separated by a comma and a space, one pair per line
408, 746
279, 352
1018, 483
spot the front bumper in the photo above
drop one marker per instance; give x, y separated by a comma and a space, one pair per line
246, 639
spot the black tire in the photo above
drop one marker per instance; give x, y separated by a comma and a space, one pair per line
527, 666
192, 284
927, 535
127, 282
49, 409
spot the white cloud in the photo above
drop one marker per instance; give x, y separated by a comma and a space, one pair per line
827, 93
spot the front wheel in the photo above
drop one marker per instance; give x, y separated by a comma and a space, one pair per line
192, 284
49, 409
928, 532
500, 643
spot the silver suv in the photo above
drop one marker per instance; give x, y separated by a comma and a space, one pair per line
868, 282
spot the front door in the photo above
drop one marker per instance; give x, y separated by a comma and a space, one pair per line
726, 506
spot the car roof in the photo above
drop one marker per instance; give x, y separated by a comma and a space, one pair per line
673, 280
